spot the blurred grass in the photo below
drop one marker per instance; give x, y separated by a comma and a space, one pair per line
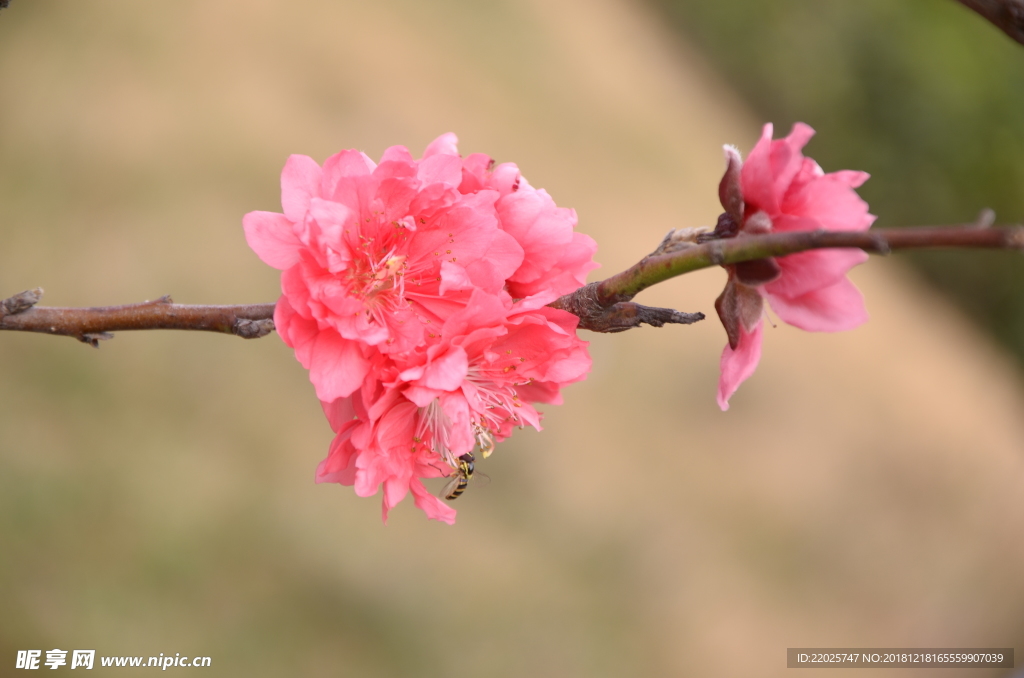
923, 94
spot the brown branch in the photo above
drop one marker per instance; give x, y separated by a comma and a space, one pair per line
599, 304
91, 325
604, 306
1007, 15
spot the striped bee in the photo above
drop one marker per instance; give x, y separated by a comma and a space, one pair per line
460, 479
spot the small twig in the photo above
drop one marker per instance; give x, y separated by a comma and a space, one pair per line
620, 316
1007, 15
91, 325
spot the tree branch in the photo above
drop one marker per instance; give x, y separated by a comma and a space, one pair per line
1007, 15
91, 325
604, 306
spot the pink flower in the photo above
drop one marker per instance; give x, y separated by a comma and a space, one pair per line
414, 291
779, 190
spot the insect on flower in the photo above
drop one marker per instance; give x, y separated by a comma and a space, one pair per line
460, 479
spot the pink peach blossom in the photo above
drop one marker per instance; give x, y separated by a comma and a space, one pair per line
778, 190
414, 291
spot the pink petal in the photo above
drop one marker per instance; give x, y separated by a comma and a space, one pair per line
481, 310
787, 158
441, 169
395, 429
756, 177
327, 473
337, 367
567, 275
332, 218
397, 154
347, 164
420, 395
338, 467
475, 172
804, 272
454, 278
446, 144
831, 201
447, 372
431, 505
541, 392
396, 192
831, 309
296, 331
270, 235
394, 493
300, 181
506, 178
340, 413
501, 258
736, 366
541, 228
461, 438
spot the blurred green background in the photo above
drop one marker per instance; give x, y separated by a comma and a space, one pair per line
157, 496
925, 95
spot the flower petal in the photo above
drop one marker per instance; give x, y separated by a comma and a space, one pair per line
831, 201
300, 181
447, 372
270, 235
441, 169
431, 505
835, 308
787, 158
804, 272
756, 177
736, 366
446, 144
337, 367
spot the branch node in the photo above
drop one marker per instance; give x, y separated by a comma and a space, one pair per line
94, 338
880, 243
715, 252
253, 329
1015, 238
20, 302
679, 239
985, 219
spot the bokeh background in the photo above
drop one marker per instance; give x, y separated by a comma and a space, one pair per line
156, 495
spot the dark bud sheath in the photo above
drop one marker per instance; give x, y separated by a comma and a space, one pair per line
738, 304
758, 271
725, 305
729, 191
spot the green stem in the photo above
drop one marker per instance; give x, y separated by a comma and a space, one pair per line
660, 267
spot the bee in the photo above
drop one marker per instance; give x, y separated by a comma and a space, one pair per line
460, 479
